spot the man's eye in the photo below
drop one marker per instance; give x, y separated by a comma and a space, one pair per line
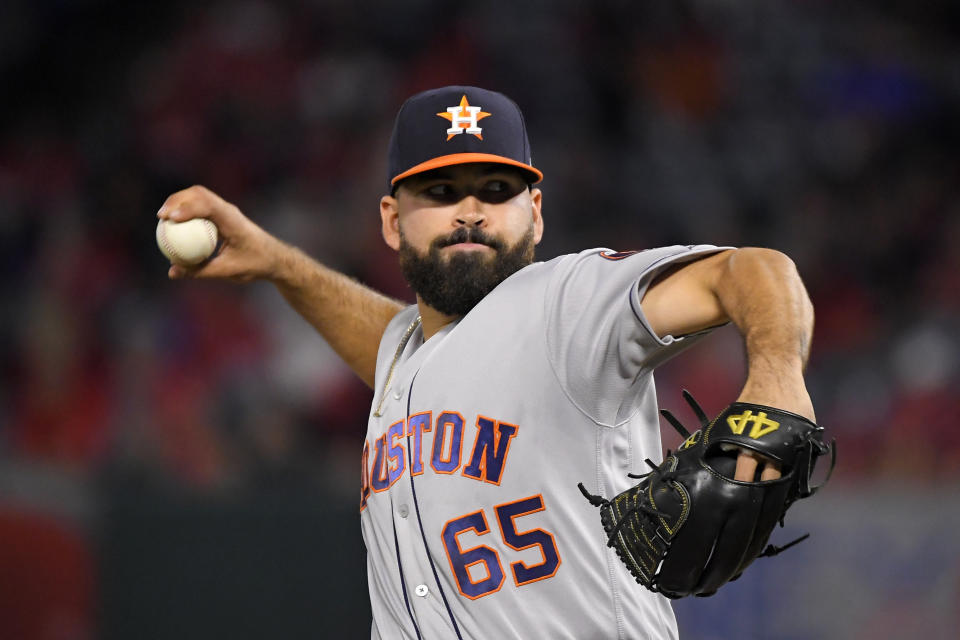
439, 191
496, 191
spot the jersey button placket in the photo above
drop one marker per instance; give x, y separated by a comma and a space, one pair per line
408, 533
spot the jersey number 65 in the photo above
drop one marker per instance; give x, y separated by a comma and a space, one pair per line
475, 584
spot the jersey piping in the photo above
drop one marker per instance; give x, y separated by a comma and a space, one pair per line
416, 507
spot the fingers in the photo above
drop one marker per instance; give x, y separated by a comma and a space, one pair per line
747, 464
182, 205
227, 264
215, 267
199, 202
746, 467
770, 472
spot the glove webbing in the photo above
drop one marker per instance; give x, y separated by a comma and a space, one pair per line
597, 501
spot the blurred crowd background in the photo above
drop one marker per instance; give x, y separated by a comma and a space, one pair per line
181, 459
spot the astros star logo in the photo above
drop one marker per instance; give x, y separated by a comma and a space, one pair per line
464, 114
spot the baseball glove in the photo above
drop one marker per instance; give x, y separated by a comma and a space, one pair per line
688, 528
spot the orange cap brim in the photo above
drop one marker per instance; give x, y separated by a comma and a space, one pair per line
464, 158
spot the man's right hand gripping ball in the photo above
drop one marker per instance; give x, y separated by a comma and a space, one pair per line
688, 527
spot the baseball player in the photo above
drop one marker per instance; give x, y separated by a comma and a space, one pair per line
510, 381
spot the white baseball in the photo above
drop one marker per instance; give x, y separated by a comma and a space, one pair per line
187, 243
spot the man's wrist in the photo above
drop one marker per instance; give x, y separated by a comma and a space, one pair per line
284, 265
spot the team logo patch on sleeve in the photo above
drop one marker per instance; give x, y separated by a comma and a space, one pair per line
464, 114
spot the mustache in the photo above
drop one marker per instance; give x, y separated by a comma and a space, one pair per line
468, 234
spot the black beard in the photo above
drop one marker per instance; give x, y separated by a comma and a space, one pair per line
454, 285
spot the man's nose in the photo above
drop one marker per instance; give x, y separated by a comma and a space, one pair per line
470, 212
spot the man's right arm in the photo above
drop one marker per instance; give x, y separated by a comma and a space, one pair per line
350, 316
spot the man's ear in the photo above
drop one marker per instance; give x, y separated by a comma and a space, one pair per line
536, 199
390, 219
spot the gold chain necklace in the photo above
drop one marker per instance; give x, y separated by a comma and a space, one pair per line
400, 347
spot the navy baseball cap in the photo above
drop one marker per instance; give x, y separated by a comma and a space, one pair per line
458, 125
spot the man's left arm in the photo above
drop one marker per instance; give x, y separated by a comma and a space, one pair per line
760, 291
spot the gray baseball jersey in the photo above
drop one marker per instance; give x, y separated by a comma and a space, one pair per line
477, 438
